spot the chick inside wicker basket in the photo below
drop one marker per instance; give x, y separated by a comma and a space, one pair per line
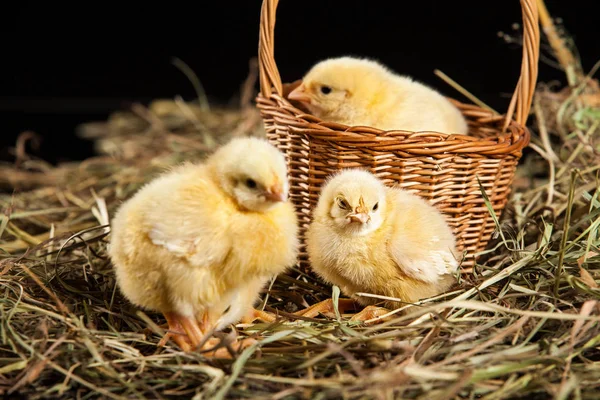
362, 92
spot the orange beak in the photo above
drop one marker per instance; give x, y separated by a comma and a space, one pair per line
300, 94
361, 213
363, 218
275, 194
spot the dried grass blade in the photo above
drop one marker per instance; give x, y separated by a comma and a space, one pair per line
243, 358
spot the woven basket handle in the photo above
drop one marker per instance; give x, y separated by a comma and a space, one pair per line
521, 100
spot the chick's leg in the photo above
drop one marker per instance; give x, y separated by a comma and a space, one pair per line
214, 347
326, 306
240, 309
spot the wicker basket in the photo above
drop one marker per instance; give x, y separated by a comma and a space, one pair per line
442, 168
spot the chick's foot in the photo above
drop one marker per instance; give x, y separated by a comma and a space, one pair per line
178, 335
371, 312
258, 315
326, 307
185, 331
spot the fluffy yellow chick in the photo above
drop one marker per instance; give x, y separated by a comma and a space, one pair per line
366, 237
354, 91
206, 237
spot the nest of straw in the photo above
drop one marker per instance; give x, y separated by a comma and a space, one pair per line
524, 324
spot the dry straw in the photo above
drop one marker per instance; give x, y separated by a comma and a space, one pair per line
445, 169
524, 325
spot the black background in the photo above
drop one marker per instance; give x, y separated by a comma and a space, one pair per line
67, 64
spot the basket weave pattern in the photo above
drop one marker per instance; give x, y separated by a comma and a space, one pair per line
442, 168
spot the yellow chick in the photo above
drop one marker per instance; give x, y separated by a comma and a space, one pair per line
354, 91
367, 237
206, 237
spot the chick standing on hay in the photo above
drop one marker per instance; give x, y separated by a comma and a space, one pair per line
353, 91
207, 237
366, 237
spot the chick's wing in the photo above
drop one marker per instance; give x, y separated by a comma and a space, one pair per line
420, 244
426, 263
192, 225
198, 246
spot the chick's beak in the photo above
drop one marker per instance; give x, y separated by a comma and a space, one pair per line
275, 194
362, 217
361, 214
300, 94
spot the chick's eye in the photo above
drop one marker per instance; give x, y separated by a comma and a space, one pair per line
376, 206
325, 89
251, 183
343, 204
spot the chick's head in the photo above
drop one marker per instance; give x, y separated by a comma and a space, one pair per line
354, 200
253, 172
338, 88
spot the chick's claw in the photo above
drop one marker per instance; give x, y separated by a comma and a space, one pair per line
326, 307
183, 330
175, 332
371, 312
187, 334
258, 315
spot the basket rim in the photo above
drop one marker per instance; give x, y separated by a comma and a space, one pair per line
522, 98
511, 141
